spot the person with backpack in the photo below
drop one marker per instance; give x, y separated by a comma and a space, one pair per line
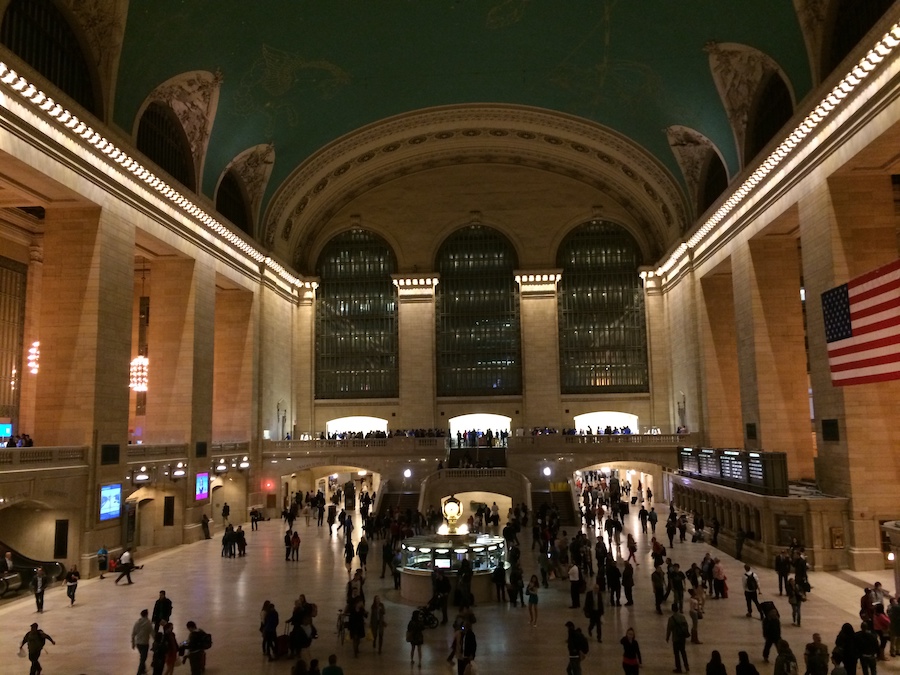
816, 656
785, 662
577, 647
678, 630
750, 582
194, 648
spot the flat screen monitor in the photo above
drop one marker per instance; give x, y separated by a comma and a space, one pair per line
110, 501
442, 563
202, 490
5, 429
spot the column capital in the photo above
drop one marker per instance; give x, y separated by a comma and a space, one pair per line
415, 287
538, 282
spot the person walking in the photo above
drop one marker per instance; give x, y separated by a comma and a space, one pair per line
226, 511
696, 613
287, 544
785, 662
795, 597
771, 630
125, 566
141, 633
465, 645
162, 610
750, 582
269, 628
72, 577
39, 583
415, 636
782, 569
575, 585
35, 639
593, 610
195, 648
356, 623
816, 656
295, 545
715, 665
532, 592
577, 648
628, 583
744, 667
377, 623
677, 629
631, 653
658, 581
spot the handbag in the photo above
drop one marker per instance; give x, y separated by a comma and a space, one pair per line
471, 669
409, 636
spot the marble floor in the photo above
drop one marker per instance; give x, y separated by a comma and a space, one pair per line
224, 597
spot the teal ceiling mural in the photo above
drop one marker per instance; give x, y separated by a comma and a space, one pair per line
302, 73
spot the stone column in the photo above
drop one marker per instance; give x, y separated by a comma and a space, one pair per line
718, 338
848, 228
415, 315
85, 330
305, 357
772, 351
180, 352
540, 347
28, 380
234, 381
658, 355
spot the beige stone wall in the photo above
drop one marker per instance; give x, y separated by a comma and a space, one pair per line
417, 371
235, 374
540, 360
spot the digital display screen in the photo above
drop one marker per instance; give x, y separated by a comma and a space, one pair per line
110, 501
442, 563
5, 429
202, 490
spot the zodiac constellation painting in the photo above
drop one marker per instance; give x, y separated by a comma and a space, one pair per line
271, 81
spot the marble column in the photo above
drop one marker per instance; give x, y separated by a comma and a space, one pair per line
539, 314
417, 350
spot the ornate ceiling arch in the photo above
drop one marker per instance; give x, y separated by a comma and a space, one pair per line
468, 134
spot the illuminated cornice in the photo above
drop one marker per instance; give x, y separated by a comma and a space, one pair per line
63, 120
831, 103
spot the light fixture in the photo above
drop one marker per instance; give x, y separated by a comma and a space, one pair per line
891, 556
407, 473
361, 472
139, 370
141, 476
179, 471
245, 462
34, 357
221, 466
547, 471
452, 511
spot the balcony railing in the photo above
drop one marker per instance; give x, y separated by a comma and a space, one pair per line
149, 453
18, 459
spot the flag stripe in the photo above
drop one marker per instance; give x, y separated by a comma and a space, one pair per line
884, 339
862, 327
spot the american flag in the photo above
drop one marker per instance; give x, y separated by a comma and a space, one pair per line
862, 327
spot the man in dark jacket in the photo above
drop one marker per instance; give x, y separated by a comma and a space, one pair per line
466, 645
593, 610
162, 610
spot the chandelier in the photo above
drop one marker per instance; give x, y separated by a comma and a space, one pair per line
139, 371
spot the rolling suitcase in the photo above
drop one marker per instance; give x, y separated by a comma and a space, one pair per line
283, 644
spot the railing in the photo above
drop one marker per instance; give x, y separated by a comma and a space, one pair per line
397, 442
233, 448
12, 459
153, 452
658, 440
470, 473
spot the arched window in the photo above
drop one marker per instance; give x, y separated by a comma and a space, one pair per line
602, 328
356, 319
713, 181
478, 339
161, 137
39, 34
773, 108
851, 20
231, 202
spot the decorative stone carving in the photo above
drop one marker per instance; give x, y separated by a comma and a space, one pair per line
254, 167
194, 96
446, 136
691, 150
102, 25
738, 71
812, 14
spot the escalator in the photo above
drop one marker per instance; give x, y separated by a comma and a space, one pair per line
24, 569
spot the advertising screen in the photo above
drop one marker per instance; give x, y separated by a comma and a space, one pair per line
110, 501
202, 491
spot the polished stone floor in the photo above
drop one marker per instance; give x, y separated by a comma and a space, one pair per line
224, 597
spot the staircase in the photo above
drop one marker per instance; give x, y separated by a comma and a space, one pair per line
568, 516
399, 502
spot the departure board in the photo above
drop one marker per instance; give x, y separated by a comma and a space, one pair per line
761, 472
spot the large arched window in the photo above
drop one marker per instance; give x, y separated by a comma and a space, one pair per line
773, 108
356, 319
39, 34
713, 181
850, 21
161, 137
602, 328
478, 344
231, 202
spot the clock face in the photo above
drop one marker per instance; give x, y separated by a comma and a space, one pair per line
451, 509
